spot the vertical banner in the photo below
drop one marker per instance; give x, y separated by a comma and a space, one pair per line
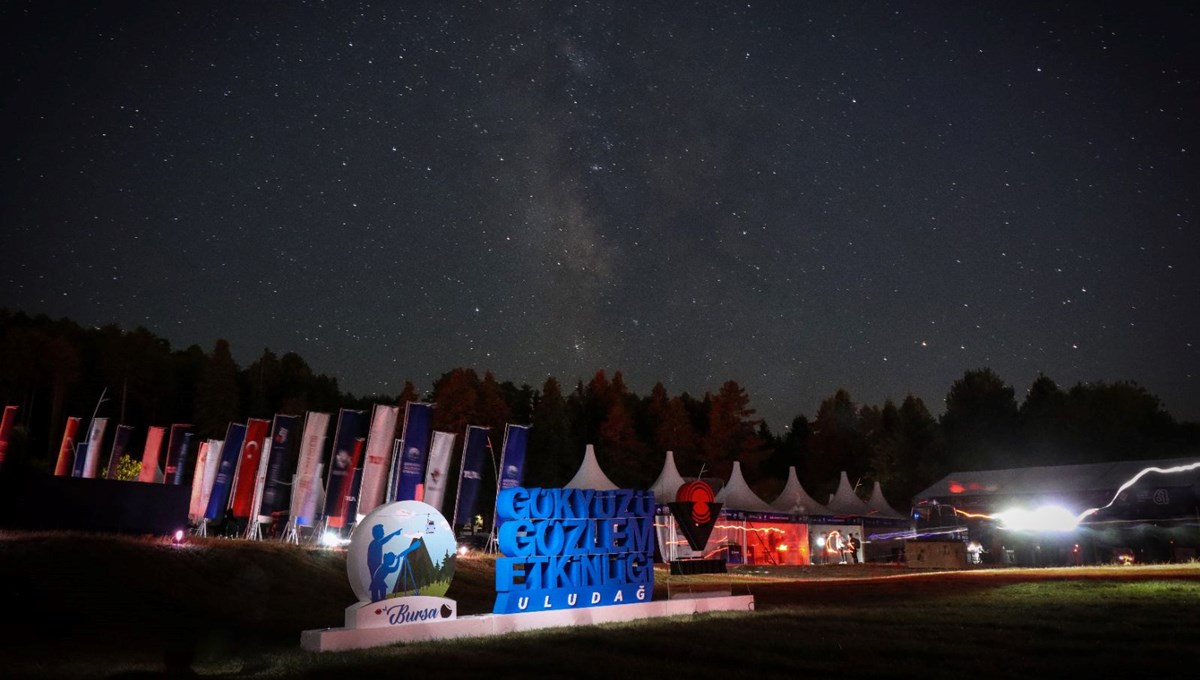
219, 497
6, 427
470, 477
80, 456
195, 508
66, 449
247, 467
341, 465
306, 486
352, 505
260, 482
120, 448
440, 452
512, 461
413, 449
341, 493
378, 458
211, 463
175, 465
154, 437
284, 436
512, 456
95, 438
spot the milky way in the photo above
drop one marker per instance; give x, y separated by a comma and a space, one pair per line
800, 197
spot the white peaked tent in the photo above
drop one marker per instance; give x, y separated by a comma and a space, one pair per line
878, 506
795, 500
845, 501
668, 482
590, 476
736, 495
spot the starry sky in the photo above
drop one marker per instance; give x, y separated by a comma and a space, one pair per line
799, 196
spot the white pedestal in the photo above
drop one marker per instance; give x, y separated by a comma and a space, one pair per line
339, 639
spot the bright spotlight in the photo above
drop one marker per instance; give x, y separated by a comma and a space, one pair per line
178, 537
330, 539
1045, 518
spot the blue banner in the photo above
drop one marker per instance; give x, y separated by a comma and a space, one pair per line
175, 471
512, 460
351, 427
120, 448
183, 465
470, 478
80, 458
285, 434
230, 451
414, 449
512, 457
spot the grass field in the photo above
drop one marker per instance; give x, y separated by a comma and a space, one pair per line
84, 606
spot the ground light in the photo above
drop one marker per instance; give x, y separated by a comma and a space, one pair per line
331, 539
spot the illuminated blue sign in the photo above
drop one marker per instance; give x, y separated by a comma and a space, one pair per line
572, 548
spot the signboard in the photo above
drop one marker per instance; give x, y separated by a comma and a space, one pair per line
573, 548
400, 562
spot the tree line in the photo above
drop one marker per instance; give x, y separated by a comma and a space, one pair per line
53, 369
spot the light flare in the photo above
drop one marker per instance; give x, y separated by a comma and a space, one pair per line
1166, 471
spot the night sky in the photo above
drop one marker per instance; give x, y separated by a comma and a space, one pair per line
797, 196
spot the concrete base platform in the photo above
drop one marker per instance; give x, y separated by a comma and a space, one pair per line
339, 639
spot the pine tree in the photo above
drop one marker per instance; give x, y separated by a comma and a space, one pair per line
217, 394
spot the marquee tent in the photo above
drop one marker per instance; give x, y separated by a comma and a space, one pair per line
737, 495
668, 482
794, 500
845, 501
590, 476
877, 506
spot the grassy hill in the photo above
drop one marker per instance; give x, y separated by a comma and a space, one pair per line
99, 606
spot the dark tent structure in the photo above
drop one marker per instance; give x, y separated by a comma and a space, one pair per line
1144, 511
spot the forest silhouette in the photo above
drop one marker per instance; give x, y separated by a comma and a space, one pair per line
53, 369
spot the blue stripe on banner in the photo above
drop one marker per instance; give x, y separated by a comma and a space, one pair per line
230, 451
351, 427
471, 477
414, 449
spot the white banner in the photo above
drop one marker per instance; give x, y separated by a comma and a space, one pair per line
95, 437
439, 463
308, 486
377, 462
260, 483
195, 510
215, 446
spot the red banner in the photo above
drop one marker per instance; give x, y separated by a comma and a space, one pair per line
6, 426
66, 450
247, 472
150, 454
